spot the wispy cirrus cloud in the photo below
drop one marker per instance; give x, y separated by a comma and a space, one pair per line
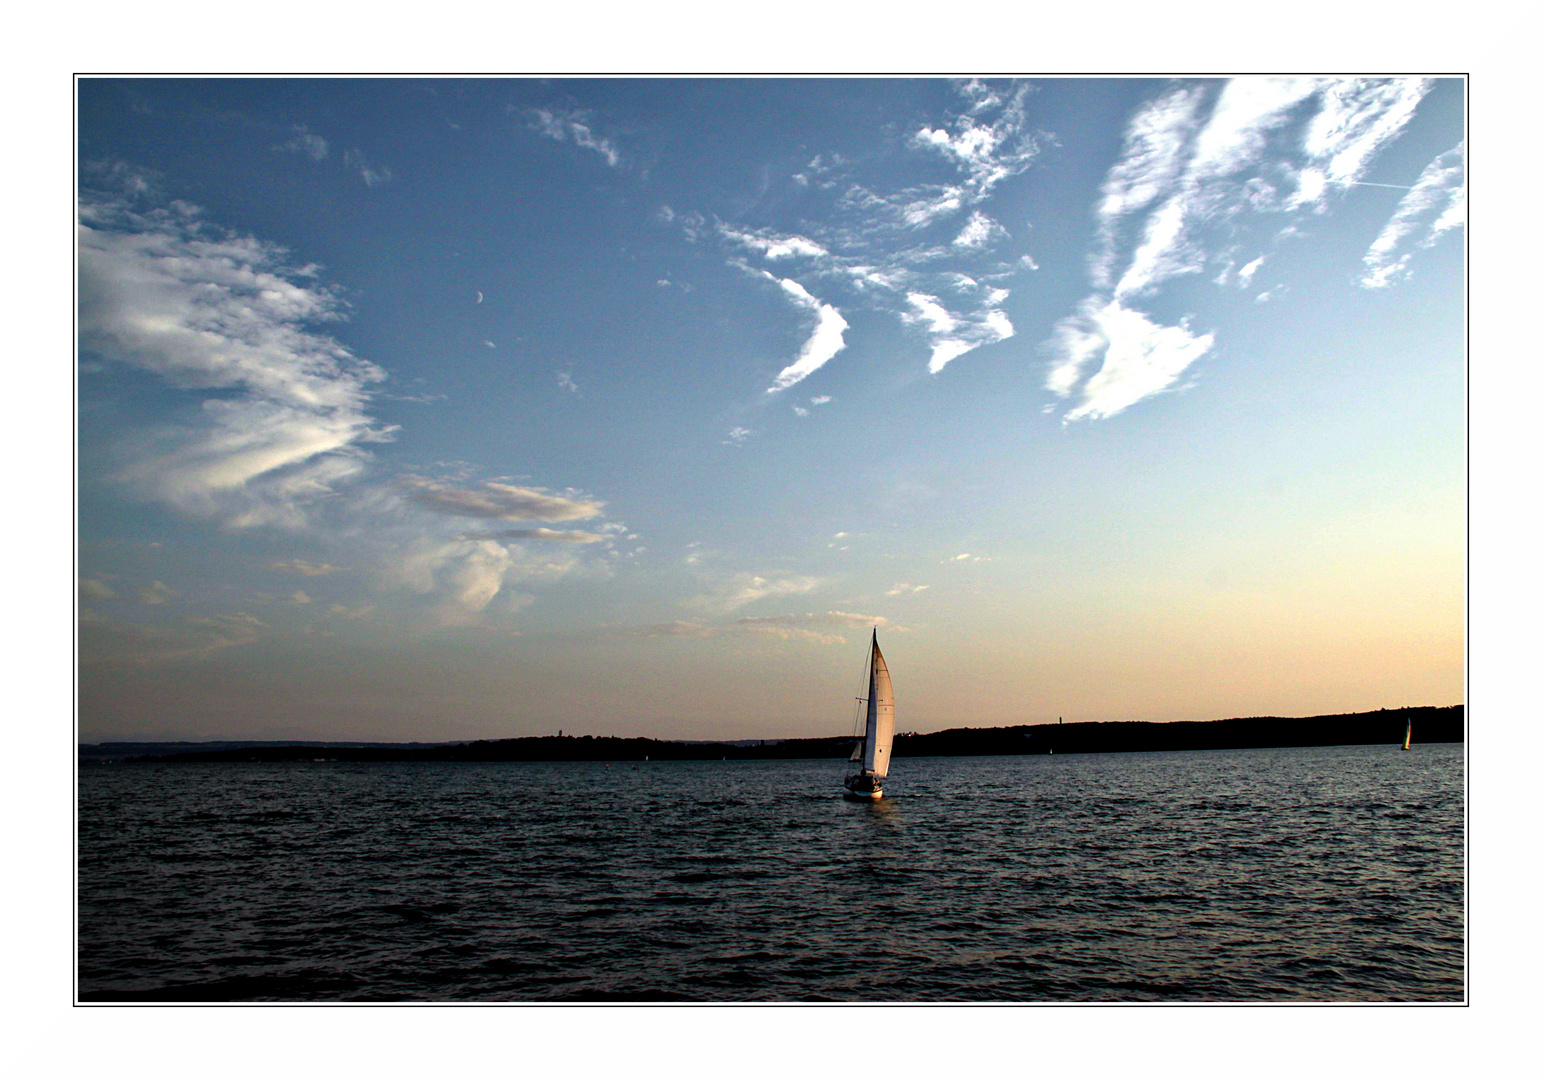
827, 338
575, 125
305, 141
953, 334
737, 590
1139, 357
1205, 169
114, 641
810, 627
372, 175
772, 245
301, 567
163, 291
558, 536
94, 591
277, 420
497, 501
1436, 204
157, 592
902, 250
806, 627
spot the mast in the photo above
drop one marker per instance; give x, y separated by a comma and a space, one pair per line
878, 737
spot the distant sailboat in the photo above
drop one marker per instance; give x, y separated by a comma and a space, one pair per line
1408, 734
871, 755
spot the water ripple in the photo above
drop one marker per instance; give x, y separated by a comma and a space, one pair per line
1306, 874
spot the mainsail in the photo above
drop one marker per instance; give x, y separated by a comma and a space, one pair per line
878, 737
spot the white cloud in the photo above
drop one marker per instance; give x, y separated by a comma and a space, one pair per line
373, 176
203, 309
498, 501
565, 382
1357, 118
1198, 166
1155, 143
774, 245
157, 593
95, 591
827, 339
880, 246
737, 436
301, 567
1436, 203
1198, 175
980, 231
299, 597
1140, 357
558, 536
902, 588
953, 335
672, 629
823, 618
466, 574
799, 410
305, 142
986, 152
108, 641
740, 589
822, 399
575, 124
786, 627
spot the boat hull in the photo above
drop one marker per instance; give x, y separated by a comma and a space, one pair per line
862, 789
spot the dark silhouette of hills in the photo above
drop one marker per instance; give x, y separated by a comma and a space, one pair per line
1386, 726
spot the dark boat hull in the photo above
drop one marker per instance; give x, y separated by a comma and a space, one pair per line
862, 788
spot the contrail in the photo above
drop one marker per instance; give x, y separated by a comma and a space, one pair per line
1372, 183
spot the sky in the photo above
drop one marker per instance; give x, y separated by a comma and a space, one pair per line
445, 409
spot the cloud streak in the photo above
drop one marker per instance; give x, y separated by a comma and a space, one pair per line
827, 338
207, 310
497, 501
574, 125
787, 627
1203, 170
114, 641
1436, 204
897, 249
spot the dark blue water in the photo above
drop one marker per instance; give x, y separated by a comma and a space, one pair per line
1325, 874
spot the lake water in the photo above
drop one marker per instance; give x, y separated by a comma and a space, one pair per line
1317, 874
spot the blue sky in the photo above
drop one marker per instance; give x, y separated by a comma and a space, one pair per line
460, 408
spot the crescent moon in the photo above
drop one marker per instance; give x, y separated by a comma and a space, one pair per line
479, 296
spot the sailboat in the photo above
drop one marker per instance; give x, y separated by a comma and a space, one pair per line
871, 756
1408, 734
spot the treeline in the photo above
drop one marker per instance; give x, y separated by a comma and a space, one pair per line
1430, 724
1386, 726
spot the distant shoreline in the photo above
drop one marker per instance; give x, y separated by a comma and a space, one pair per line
1386, 726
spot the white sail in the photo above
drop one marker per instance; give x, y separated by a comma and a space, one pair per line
879, 737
